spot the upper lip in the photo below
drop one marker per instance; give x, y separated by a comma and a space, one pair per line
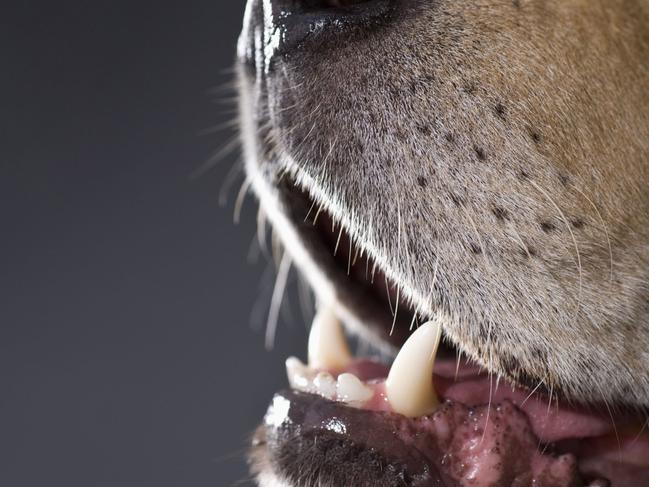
375, 312
355, 293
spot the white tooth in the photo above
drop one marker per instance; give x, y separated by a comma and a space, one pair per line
328, 347
409, 385
300, 377
325, 385
352, 390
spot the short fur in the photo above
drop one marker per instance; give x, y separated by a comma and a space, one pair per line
493, 157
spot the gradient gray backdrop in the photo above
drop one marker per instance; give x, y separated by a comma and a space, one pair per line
127, 355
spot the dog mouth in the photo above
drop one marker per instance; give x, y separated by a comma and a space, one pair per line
419, 413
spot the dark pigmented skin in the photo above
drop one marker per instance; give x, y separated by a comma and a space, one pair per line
343, 446
319, 442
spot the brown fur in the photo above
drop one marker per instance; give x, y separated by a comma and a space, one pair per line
493, 156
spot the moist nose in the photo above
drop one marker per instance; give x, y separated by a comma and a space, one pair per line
280, 27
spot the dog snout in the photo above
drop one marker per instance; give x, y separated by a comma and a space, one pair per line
280, 28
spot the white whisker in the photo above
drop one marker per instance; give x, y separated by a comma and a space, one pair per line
529, 396
243, 191
340, 234
349, 257
396, 311
387, 290
310, 210
276, 301
604, 227
574, 239
412, 323
261, 231
315, 220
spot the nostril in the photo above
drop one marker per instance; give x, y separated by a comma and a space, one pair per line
277, 28
296, 21
321, 4
315, 5
342, 3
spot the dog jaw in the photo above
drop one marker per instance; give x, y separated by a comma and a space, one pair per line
475, 151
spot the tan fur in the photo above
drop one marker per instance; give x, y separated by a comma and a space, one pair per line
493, 156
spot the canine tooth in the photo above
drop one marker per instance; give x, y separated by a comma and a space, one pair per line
352, 390
325, 385
300, 377
328, 347
409, 386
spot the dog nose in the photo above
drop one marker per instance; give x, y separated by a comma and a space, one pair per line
275, 28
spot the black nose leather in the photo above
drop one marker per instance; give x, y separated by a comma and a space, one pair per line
279, 27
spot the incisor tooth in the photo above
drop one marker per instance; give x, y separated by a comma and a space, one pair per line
409, 386
328, 347
352, 390
300, 377
325, 385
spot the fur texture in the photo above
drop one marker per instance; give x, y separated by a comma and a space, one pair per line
493, 157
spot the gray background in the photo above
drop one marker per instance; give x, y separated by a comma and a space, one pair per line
127, 354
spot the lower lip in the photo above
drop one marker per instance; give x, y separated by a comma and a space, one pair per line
468, 428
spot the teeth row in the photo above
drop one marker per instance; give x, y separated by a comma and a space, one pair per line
409, 386
347, 388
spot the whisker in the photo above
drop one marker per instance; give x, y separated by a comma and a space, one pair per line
458, 358
261, 230
229, 180
387, 290
574, 239
491, 388
610, 413
432, 286
259, 310
276, 301
340, 234
315, 220
550, 400
310, 210
349, 257
412, 323
228, 148
396, 311
305, 298
529, 396
604, 227
519, 240
276, 247
214, 129
356, 252
243, 191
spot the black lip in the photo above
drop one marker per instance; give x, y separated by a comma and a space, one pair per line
314, 441
310, 437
